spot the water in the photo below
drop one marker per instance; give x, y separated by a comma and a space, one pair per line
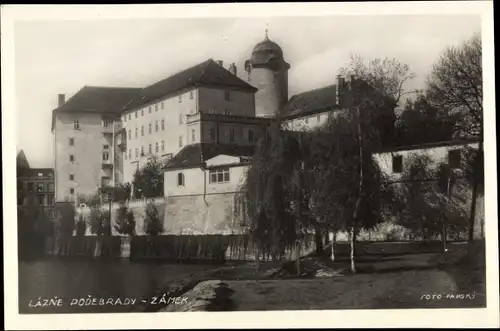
107, 279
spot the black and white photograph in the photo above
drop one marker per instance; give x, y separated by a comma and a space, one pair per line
225, 159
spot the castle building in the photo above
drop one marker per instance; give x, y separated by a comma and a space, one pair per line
37, 183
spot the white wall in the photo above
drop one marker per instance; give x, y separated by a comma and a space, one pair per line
306, 122
437, 155
197, 181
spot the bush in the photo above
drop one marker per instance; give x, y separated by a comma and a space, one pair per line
125, 223
152, 222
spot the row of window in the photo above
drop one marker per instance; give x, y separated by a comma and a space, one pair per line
71, 142
42, 201
40, 187
212, 134
227, 97
454, 160
158, 148
150, 129
215, 176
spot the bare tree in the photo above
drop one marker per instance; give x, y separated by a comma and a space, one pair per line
455, 85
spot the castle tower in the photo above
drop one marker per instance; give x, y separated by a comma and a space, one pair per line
268, 71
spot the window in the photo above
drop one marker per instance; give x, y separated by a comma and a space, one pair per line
40, 174
181, 119
51, 187
219, 175
211, 133
180, 98
250, 135
156, 126
71, 177
142, 130
318, 118
136, 152
142, 112
180, 179
190, 94
142, 150
193, 135
149, 109
227, 95
163, 125
130, 153
39, 187
156, 107
106, 122
231, 135
124, 118
156, 148
72, 141
397, 164
105, 146
150, 128
136, 115
150, 149
129, 134
162, 105
162, 146
454, 158
76, 125
105, 156
71, 158
129, 117
71, 191
180, 141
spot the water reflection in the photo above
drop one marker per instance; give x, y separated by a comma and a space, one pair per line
69, 279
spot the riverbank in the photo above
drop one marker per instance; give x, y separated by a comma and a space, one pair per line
383, 281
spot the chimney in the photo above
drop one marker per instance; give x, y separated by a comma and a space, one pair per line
61, 100
220, 62
232, 69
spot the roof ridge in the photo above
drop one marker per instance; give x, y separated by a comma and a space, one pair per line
178, 73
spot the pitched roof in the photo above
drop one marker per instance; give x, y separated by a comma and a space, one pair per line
22, 160
319, 99
99, 99
205, 73
194, 155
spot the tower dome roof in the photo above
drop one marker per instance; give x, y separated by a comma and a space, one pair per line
265, 51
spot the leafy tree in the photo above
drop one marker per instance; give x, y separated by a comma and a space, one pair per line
421, 123
81, 226
456, 85
96, 220
125, 223
152, 222
148, 181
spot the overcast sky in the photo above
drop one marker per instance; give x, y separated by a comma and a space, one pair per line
62, 56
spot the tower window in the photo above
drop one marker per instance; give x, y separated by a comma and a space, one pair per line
180, 179
156, 107
250, 135
454, 158
156, 126
397, 164
76, 125
136, 132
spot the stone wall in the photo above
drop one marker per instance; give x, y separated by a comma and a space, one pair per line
202, 214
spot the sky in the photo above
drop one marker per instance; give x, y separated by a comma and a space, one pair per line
53, 57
